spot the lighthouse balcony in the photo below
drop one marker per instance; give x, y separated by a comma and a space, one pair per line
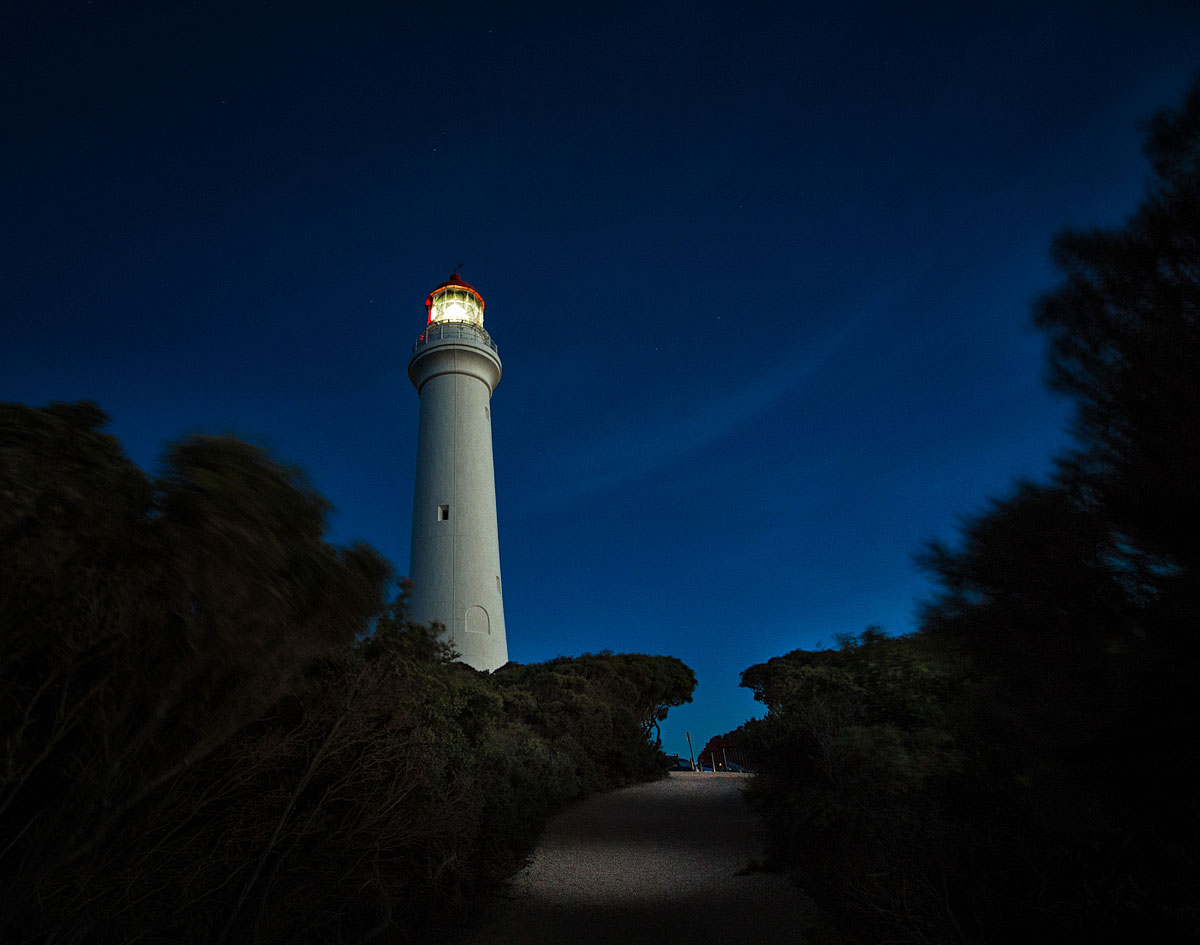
436, 332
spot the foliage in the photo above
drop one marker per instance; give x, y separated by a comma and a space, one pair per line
855, 752
1124, 330
145, 624
738, 748
216, 729
649, 685
1020, 769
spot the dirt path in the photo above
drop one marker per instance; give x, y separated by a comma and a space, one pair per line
648, 864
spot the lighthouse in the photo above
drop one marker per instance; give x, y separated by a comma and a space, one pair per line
455, 554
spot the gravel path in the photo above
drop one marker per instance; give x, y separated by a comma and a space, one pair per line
648, 864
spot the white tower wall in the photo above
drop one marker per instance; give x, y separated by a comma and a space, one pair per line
455, 563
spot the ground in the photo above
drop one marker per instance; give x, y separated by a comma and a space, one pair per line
646, 864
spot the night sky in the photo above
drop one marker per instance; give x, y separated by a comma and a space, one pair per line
760, 276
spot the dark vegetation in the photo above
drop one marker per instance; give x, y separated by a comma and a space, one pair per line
203, 742
1022, 769
732, 751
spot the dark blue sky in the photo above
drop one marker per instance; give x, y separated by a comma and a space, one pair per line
760, 276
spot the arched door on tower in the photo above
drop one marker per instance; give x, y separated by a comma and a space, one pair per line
478, 620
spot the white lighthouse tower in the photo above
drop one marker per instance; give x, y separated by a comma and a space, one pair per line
455, 563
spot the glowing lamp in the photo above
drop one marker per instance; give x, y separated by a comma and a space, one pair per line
455, 301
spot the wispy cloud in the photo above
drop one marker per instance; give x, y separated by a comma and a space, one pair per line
669, 434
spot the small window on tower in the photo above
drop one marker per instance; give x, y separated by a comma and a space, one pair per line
443, 513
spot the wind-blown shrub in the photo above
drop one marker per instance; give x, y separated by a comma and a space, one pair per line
214, 730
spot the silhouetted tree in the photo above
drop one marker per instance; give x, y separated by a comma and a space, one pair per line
1020, 769
145, 624
856, 754
213, 730
740, 747
1124, 330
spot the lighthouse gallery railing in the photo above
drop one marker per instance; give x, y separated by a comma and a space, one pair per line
452, 331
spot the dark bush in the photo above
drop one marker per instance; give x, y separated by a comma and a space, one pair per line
217, 730
1021, 768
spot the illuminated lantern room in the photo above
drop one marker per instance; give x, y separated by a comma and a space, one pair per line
455, 302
